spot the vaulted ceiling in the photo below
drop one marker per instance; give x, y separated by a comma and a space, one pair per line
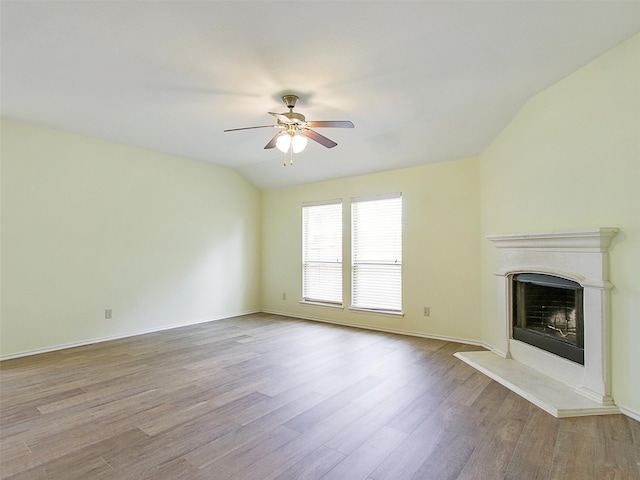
423, 81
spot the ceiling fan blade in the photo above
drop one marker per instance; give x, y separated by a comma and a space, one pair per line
281, 117
321, 139
272, 142
331, 124
250, 128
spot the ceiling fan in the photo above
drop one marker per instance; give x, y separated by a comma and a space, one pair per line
294, 129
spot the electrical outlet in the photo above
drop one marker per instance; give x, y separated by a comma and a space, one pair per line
427, 311
284, 296
108, 313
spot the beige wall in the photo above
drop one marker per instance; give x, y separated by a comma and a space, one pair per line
440, 248
571, 159
89, 225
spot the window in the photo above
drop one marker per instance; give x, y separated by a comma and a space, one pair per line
376, 253
322, 252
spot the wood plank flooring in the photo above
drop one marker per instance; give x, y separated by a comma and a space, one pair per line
264, 397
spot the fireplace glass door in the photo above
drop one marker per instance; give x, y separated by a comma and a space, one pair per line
548, 314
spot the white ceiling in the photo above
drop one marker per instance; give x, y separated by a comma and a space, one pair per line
423, 81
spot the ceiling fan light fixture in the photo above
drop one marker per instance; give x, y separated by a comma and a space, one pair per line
298, 143
293, 141
283, 143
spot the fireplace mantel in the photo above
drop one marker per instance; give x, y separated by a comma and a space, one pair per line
588, 240
579, 255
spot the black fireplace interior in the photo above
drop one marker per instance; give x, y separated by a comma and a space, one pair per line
548, 314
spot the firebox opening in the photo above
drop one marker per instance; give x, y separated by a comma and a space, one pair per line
548, 314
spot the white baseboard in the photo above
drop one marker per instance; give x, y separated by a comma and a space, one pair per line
83, 343
409, 333
629, 413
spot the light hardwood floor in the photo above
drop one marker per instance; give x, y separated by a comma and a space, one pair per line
268, 397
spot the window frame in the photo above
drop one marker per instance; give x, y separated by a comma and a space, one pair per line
355, 264
310, 300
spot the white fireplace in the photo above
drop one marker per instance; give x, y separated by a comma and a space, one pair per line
560, 386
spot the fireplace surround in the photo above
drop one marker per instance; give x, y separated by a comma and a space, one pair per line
561, 386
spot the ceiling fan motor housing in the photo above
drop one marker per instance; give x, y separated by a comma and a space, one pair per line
294, 117
290, 100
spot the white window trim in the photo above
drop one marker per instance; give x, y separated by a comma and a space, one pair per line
334, 306
319, 203
383, 196
373, 311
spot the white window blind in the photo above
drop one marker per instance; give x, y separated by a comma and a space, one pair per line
322, 252
376, 246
